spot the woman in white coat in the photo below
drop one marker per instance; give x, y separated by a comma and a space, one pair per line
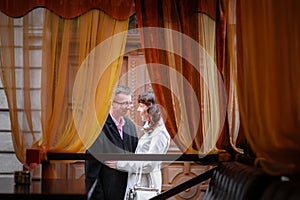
155, 140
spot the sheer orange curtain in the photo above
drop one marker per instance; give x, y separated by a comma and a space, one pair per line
61, 42
18, 75
59, 95
268, 81
185, 62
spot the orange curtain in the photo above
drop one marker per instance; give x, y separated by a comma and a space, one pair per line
58, 75
268, 81
185, 60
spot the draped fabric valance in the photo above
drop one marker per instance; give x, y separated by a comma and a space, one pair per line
118, 9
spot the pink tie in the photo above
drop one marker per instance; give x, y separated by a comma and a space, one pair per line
120, 130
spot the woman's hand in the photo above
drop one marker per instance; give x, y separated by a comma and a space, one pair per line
111, 164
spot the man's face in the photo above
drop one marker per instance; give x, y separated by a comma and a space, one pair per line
121, 104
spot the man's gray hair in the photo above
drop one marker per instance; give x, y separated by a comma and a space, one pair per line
122, 89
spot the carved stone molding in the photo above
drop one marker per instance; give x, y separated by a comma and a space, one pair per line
180, 172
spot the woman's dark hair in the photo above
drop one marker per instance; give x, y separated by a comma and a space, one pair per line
148, 98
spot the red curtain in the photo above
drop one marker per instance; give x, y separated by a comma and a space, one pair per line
181, 16
118, 9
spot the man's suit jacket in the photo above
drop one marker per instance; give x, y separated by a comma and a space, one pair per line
111, 183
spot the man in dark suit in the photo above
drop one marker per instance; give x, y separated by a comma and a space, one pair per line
118, 135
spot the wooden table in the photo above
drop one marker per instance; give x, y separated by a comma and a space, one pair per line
45, 189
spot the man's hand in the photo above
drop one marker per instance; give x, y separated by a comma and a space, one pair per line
111, 164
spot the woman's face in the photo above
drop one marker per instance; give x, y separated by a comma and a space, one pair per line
142, 109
